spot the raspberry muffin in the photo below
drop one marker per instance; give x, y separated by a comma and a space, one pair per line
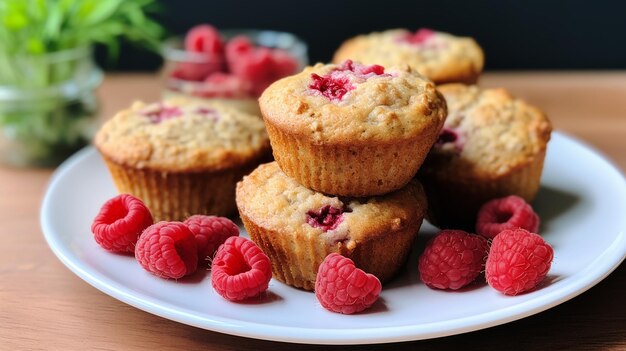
182, 156
298, 227
442, 57
492, 145
351, 129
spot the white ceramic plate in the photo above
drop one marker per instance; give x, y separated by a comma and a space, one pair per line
582, 204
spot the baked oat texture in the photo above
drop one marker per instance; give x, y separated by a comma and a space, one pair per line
370, 141
182, 156
377, 232
498, 149
204, 136
443, 57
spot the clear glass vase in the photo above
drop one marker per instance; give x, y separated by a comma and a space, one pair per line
48, 106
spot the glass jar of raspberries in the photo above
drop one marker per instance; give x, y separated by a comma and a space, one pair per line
233, 66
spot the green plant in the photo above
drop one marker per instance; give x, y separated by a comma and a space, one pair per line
33, 28
47, 75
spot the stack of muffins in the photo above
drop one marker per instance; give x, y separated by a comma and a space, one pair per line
348, 140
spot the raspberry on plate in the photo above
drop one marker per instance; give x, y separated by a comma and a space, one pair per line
120, 222
210, 233
452, 259
341, 287
518, 260
168, 250
506, 213
240, 270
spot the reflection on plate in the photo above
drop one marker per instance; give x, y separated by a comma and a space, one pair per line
582, 204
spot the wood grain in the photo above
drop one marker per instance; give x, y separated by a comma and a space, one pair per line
43, 306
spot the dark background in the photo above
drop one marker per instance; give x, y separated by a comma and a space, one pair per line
514, 34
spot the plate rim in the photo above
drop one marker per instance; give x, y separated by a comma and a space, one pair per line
343, 336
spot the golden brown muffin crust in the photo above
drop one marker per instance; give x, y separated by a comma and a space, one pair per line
398, 104
198, 136
496, 133
278, 203
442, 58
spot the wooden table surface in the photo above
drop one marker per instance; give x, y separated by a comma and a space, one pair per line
45, 306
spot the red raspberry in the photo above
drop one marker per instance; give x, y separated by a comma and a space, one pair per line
506, 213
360, 69
254, 66
168, 250
236, 48
422, 35
240, 269
334, 88
518, 261
120, 222
221, 84
210, 233
159, 113
341, 287
452, 259
327, 218
284, 64
450, 138
204, 39
259, 66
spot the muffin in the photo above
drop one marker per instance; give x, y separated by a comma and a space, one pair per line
492, 145
298, 227
182, 156
441, 57
351, 129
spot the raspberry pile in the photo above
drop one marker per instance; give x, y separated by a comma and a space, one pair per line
234, 68
166, 249
516, 262
341, 287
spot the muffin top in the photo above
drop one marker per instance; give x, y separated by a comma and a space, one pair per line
182, 135
439, 56
278, 203
488, 133
353, 103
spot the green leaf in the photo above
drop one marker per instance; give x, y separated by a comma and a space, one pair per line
38, 10
101, 10
35, 27
54, 20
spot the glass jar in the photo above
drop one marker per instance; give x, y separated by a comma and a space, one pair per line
48, 106
224, 90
